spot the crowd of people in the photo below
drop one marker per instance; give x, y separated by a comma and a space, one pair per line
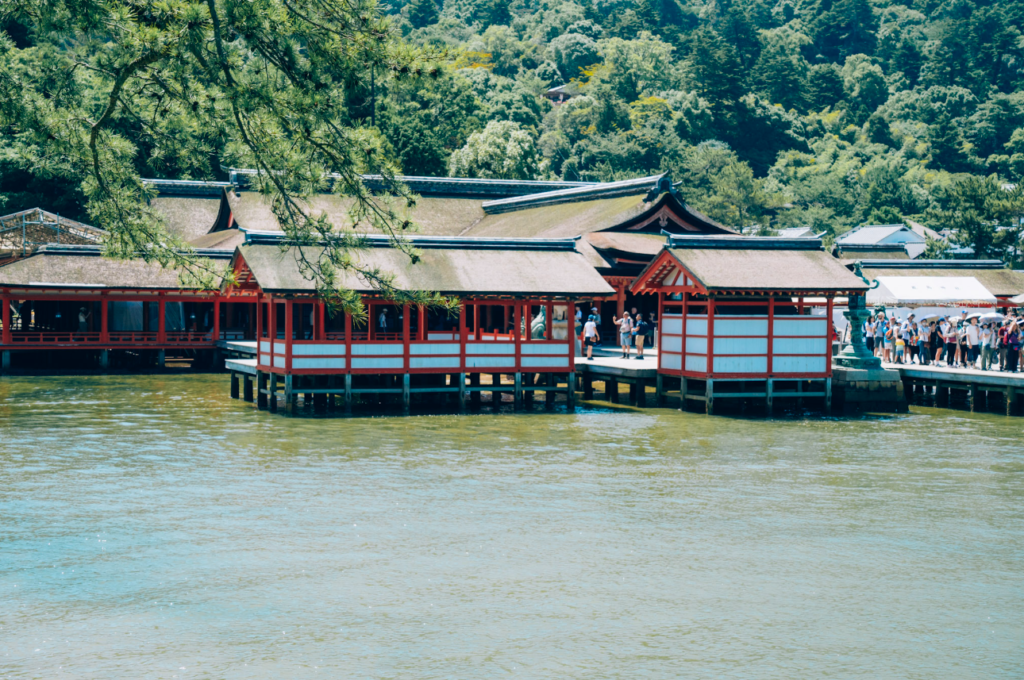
990, 342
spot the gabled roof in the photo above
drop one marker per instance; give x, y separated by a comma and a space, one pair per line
85, 267
460, 267
721, 264
877, 233
629, 187
850, 252
992, 274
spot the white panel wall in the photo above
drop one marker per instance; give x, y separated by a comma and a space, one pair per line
671, 343
376, 350
278, 361
696, 345
725, 326
265, 346
696, 325
671, 361
800, 326
434, 362
324, 362
671, 324
318, 350
740, 345
741, 364
800, 345
800, 364
433, 348
379, 362
546, 362
490, 362
490, 348
530, 348
695, 363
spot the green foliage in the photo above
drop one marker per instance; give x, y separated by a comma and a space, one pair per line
502, 150
971, 208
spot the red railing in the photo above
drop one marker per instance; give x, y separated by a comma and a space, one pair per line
125, 338
52, 338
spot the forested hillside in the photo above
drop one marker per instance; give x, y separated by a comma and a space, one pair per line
819, 113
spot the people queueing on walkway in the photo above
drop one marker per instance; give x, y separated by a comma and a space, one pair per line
625, 325
590, 336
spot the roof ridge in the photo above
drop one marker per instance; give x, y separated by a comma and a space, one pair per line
97, 251
428, 242
933, 264
626, 187
730, 242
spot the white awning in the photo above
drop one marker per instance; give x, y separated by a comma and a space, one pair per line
1019, 300
906, 291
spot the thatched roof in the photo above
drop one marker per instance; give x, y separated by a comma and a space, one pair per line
449, 270
734, 263
999, 280
189, 217
85, 267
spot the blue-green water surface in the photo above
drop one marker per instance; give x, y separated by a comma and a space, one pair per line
150, 527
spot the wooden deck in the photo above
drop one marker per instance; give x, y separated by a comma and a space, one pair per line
939, 381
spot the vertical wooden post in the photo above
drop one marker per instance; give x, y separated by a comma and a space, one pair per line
247, 388
289, 321
620, 299
571, 388
683, 312
518, 394
104, 318
421, 324
259, 320
474, 396
321, 321
611, 390
659, 388
709, 397
406, 394
517, 310
216, 319
462, 392
588, 386
828, 394
272, 396
828, 333
1011, 401
496, 395
234, 385
711, 339
641, 393
549, 319
161, 316
549, 394
406, 337
769, 384
6, 338
261, 391
771, 341
348, 392
462, 336
272, 326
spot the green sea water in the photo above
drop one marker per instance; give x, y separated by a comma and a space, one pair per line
150, 527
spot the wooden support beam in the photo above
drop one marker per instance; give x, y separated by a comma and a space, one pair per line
272, 396
828, 396
641, 393
234, 384
462, 391
1011, 401
571, 389
348, 390
406, 397
588, 386
246, 387
659, 390
769, 402
549, 395
496, 395
709, 396
611, 390
518, 394
474, 396
261, 393
291, 397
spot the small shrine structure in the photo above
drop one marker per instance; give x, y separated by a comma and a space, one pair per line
514, 319
746, 317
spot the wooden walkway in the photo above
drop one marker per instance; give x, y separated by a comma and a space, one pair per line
613, 370
939, 381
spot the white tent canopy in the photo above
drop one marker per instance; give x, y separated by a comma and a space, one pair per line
1019, 300
907, 291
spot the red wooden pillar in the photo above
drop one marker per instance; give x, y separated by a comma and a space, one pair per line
421, 323
289, 320
161, 319
504, 318
828, 333
711, 336
371, 322
620, 299
462, 336
321, 320
406, 334
348, 328
771, 336
259, 317
6, 340
517, 312
570, 327
104, 320
272, 326
216, 319
549, 318
682, 345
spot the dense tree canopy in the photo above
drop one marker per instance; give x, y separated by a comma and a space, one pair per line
817, 113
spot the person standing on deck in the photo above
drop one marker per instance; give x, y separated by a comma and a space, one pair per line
625, 325
973, 342
986, 346
83, 320
639, 336
382, 321
590, 336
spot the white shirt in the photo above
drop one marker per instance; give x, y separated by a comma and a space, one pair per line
590, 330
382, 321
972, 335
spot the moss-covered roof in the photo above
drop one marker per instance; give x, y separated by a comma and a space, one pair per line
46, 270
435, 216
765, 270
1000, 282
561, 220
188, 217
457, 271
